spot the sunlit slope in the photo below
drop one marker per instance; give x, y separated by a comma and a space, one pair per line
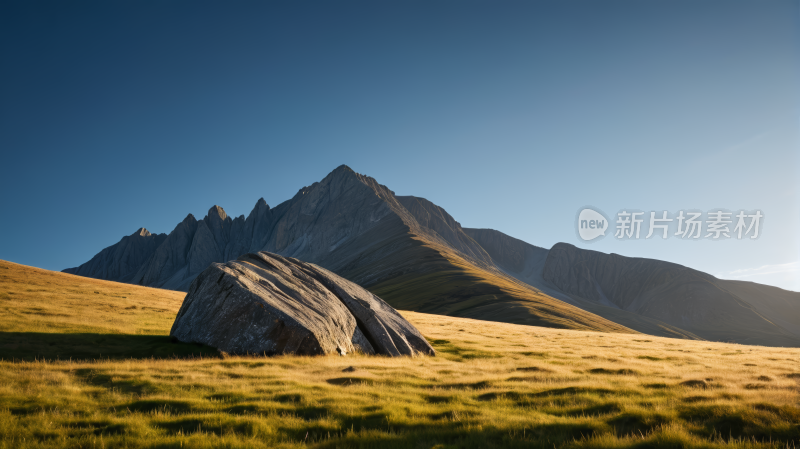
455, 287
51, 314
33, 299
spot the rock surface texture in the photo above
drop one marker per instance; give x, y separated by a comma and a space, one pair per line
264, 303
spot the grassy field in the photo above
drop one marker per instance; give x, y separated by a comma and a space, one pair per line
491, 384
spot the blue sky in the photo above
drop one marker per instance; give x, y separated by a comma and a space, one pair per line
510, 115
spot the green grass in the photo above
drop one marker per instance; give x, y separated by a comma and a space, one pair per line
491, 385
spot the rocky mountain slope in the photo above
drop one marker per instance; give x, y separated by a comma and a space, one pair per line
416, 256
526, 263
715, 309
121, 261
651, 296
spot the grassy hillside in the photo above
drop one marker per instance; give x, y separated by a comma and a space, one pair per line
491, 384
50, 314
455, 287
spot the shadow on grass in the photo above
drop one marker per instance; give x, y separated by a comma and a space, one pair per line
526, 397
378, 432
636, 424
590, 411
99, 427
125, 384
167, 406
189, 426
55, 346
761, 422
348, 381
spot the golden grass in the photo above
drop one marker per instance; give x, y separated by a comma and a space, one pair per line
36, 300
491, 385
50, 314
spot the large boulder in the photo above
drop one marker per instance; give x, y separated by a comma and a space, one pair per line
264, 303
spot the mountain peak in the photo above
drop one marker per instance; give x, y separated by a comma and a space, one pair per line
189, 219
217, 211
261, 203
342, 170
141, 232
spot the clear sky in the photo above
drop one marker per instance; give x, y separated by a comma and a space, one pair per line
510, 115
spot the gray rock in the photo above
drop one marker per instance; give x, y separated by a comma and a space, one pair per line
264, 303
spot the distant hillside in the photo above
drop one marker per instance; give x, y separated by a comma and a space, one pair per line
715, 309
526, 263
651, 296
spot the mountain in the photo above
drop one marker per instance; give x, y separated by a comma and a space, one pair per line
414, 255
416, 258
